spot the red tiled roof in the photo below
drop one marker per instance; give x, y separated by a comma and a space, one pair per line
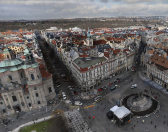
97, 42
85, 48
106, 54
160, 60
125, 51
44, 72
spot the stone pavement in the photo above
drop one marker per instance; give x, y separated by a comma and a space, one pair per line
76, 122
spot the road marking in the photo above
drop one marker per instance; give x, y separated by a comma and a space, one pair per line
88, 106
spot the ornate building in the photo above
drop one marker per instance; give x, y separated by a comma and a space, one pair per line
24, 84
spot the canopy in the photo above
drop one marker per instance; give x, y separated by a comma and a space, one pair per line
120, 112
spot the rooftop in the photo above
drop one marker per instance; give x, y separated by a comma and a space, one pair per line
83, 63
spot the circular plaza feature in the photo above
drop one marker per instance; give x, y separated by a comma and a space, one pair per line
140, 104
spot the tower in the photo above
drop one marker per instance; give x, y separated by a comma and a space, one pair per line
29, 59
8, 54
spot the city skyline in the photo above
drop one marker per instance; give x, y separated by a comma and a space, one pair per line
41, 9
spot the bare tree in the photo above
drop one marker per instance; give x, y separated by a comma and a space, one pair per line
59, 124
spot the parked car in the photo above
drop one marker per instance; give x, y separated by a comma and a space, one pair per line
63, 75
133, 86
58, 85
63, 95
75, 92
78, 103
50, 101
113, 87
132, 69
99, 89
71, 88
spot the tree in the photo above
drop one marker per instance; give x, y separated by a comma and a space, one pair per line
59, 123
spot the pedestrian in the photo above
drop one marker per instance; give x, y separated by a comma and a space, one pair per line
164, 122
68, 113
155, 126
164, 116
93, 117
34, 122
89, 117
151, 122
134, 125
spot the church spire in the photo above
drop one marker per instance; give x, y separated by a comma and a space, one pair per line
29, 59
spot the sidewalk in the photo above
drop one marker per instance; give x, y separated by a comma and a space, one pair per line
146, 79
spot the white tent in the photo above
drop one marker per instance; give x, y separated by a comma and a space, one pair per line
120, 112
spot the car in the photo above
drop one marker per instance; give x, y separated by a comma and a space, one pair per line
119, 81
78, 103
58, 85
113, 87
63, 75
51, 101
71, 88
99, 89
97, 98
75, 92
64, 80
115, 81
63, 95
57, 82
133, 86
132, 69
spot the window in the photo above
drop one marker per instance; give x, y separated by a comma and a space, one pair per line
21, 75
14, 98
29, 104
49, 89
35, 88
39, 102
1, 103
27, 97
32, 76
10, 77
36, 94
4, 111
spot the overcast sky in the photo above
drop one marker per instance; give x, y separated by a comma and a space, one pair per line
53, 9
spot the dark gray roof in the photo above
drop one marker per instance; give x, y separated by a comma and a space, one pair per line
83, 63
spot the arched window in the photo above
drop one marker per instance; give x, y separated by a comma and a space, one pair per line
29, 104
10, 77
32, 76
8, 56
49, 89
14, 98
36, 94
21, 74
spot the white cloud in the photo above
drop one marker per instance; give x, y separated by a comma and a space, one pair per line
41, 9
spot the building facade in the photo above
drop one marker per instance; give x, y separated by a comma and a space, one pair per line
24, 85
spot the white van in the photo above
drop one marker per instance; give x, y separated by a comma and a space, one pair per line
134, 86
78, 103
63, 95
